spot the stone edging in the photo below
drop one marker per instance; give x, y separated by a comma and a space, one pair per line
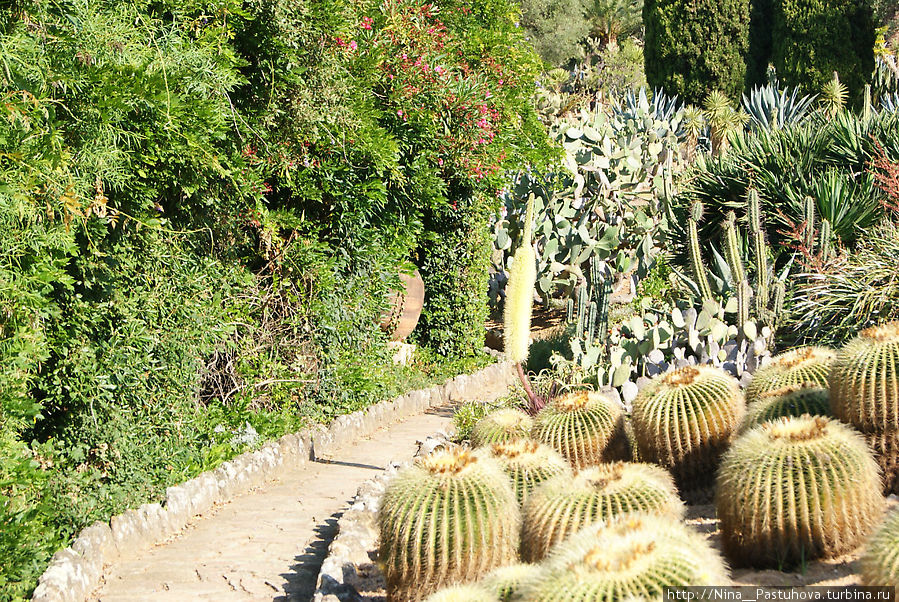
75, 572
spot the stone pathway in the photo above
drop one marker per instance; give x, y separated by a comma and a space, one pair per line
267, 544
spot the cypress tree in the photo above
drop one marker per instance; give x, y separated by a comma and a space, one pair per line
760, 22
813, 38
696, 46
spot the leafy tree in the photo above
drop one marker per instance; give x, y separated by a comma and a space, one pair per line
614, 19
694, 46
812, 39
555, 28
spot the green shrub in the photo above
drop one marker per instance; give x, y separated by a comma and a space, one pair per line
555, 28
695, 47
811, 39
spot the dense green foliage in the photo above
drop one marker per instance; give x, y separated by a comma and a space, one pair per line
695, 47
203, 205
812, 39
555, 28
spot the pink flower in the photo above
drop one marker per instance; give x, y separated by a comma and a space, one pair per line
366, 22
438, 69
353, 45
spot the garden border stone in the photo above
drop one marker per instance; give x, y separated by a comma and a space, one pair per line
76, 571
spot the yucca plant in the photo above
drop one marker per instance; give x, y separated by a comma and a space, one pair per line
463, 593
880, 560
585, 427
801, 365
504, 424
528, 464
683, 420
834, 95
506, 581
562, 506
792, 400
631, 557
795, 489
722, 119
451, 517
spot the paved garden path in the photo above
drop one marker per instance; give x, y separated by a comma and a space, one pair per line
267, 544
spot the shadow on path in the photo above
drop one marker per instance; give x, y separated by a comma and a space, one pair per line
300, 581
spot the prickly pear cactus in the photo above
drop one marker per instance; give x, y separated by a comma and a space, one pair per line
504, 424
864, 392
463, 593
507, 581
796, 489
449, 518
562, 506
528, 464
880, 561
805, 364
684, 420
864, 380
629, 557
792, 400
585, 427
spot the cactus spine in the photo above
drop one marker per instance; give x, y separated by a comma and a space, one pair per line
584, 426
451, 517
791, 400
880, 561
463, 593
684, 419
632, 557
803, 364
528, 464
795, 489
698, 267
864, 391
506, 582
504, 424
520, 294
562, 505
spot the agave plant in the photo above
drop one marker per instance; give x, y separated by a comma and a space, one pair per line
769, 107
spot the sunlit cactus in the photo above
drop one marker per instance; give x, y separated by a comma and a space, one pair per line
506, 582
804, 364
449, 518
792, 400
684, 420
795, 489
528, 464
504, 424
463, 593
562, 505
585, 427
880, 561
864, 391
632, 557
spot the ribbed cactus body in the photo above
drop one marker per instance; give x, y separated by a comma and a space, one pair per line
528, 464
864, 391
506, 582
520, 294
864, 380
504, 424
792, 400
585, 427
562, 506
805, 364
880, 561
632, 557
463, 593
796, 489
449, 518
683, 421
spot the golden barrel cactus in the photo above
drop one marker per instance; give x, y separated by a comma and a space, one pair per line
528, 464
880, 560
504, 424
800, 365
791, 400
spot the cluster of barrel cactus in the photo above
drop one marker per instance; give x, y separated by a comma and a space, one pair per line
791, 484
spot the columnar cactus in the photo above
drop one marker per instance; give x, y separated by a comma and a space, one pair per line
449, 518
805, 364
507, 581
585, 427
504, 424
864, 391
561, 506
683, 420
795, 489
792, 400
463, 593
528, 463
880, 561
630, 557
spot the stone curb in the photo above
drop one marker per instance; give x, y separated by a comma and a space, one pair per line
75, 572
